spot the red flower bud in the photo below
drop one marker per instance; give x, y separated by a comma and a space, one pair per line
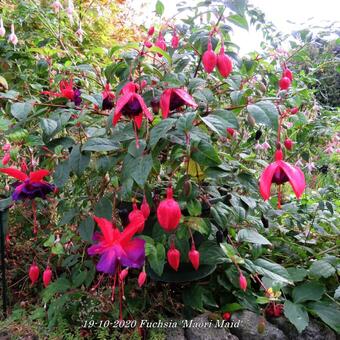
194, 257
151, 30
141, 278
231, 131
288, 144
224, 64
160, 42
145, 208
148, 44
6, 158
23, 166
209, 59
136, 212
143, 84
169, 212
243, 282
294, 110
173, 256
175, 41
287, 73
47, 276
226, 316
123, 274
284, 83
33, 273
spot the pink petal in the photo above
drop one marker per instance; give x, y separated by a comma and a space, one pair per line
132, 228
165, 103
295, 176
122, 101
21, 176
106, 228
38, 175
130, 87
186, 97
146, 111
266, 180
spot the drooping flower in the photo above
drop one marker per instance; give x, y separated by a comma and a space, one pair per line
131, 105
224, 63
136, 213
148, 43
108, 98
141, 278
29, 186
209, 58
160, 42
243, 282
12, 38
6, 158
175, 40
265, 145
2, 28
33, 273
310, 167
174, 98
57, 6
145, 208
288, 144
230, 131
68, 91
280, 172
80, 33
194, 257
151, 30
284, 83
287, 73
173, 256
47, 276
294, 110
169, 212
116, 247
226, 316
70, 10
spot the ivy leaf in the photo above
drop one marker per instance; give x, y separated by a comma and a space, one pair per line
252, 236
264, 112
296, 314
311, 291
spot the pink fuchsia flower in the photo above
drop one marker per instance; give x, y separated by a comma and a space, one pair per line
310, 166
6, 147
209, 58
131, 105
160, 42
258, 146
118, 248
12, 38
29, 186
172, 99
141, 278
284, 83
243, 282
151, 30
108, 98
265, 145
2, 28
6, 158
80, 33
70, 10
224, 63
175, 40
280, 172
68, 91
57, 6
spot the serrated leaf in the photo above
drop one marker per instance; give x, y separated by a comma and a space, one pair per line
296, 314
309, 291
321, 268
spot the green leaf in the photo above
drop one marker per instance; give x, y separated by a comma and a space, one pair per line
297, 274
211, 253
20, 111
239, 20
86, 228
61, 174
205, 154
296, 314
198, 224
100, 144
321, 268
61, 285
194, 207
337, 293
309, 291
48, 126
328, 312
252, 236
143, 166
79, 278
79, 160
158, 50
160, 130
159, 8
156, 257
68, 216
193, 297
265, 113
104, 208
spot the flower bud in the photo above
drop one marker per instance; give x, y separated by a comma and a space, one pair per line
194, 257
47, 276
2, 28
287, 73
151, 30
226, 316
169, 212
288, 144
231, 131
284, 83
175, 40
123, 274
294, 110
145, 208
12, 37
209, 59
243, 282
33, 273
6, 158
224, 63
173, 256
141, 278
148, 44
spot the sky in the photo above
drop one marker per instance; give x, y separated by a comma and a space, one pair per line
287, 15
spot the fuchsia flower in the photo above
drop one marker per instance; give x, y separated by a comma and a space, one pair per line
29, 186
70, 10
175, 40
280, 172
2, 28
57, 6
209, 58
118, 248
160, 42
12, 38
68, 91
108, 97
172, 99
80, 33
132, 105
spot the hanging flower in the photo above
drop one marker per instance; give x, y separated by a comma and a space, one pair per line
118, 248
33, 273
47, 276
160, 42
68, 91
29, 186
209, 58
284, 83
224, 63
70, 10
265, 145
194, 257
310, 166
12, 37
136, 213
108, 97
173, 256
280, 172
175, 40
243, 282
151, 30
57, 6
287, 73
173, 99
145, 208
80, 33
2, 28
258, 146
141, 278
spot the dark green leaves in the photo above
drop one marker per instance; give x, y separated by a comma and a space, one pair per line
79, 160
252, 236
100, 144
160, 130
296, 314
156, 257
86, 228
311, 291
49, 126
21, 110
264, 112
205, 154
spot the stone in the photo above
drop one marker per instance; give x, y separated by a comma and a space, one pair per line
248, 328
207, 333
314, 331
174, 333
